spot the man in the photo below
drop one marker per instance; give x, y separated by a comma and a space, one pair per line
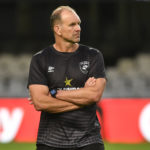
66, 80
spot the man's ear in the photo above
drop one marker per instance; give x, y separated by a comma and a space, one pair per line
57, 29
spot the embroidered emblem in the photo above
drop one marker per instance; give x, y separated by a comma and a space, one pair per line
84, 65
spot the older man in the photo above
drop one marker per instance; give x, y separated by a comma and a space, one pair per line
66, 80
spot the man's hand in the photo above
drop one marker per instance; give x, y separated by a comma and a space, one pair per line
90, 82
30, 100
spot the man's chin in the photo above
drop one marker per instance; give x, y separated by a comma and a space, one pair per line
77, 41
74, 41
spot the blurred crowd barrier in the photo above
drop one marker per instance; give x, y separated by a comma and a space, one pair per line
13, 75
129, 78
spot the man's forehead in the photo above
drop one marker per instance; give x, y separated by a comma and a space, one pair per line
68, 14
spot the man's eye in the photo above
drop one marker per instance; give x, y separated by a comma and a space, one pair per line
73, 24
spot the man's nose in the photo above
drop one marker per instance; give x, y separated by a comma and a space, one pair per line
78, 28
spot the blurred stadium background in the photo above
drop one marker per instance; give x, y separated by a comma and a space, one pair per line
119, 28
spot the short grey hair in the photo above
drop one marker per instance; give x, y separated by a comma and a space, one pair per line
56, 15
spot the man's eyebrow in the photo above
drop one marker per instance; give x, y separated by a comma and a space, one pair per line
73, 23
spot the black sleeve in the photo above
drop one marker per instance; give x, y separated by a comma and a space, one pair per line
97, 68
37, 73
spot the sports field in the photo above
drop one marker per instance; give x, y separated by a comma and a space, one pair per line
108, 146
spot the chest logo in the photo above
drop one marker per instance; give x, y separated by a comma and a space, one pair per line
68, 82
84, 65
51, 69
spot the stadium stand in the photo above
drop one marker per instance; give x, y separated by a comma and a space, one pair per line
13, 75
129, 78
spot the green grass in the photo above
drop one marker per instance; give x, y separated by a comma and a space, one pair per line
17, 146
141, 146
108, 146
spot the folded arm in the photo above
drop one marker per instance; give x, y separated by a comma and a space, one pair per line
43, 101
84, 96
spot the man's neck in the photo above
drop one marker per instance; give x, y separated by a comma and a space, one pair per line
66, 47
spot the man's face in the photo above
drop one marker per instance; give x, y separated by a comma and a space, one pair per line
70, 27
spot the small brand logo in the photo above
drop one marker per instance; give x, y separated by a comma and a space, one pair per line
51, 69
84, 65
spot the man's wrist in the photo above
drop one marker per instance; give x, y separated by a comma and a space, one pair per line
53, 93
